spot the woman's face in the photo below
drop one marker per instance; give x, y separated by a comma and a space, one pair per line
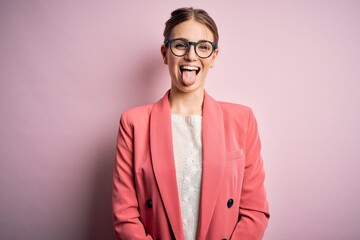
188, 72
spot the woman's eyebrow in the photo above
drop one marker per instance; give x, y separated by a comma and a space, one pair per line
193, 41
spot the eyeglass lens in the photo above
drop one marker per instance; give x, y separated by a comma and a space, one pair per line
180, 47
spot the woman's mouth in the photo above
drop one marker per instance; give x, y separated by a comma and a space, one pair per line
189, 68
188, 74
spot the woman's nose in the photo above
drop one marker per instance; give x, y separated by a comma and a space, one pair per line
191, 54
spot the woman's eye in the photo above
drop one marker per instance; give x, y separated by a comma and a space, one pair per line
180, 46
204, 47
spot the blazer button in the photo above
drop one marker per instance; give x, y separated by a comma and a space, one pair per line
230, 202
149, 203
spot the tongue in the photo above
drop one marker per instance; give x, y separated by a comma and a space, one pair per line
188, 77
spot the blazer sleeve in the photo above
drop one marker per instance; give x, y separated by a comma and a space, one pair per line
126, 221
253, 209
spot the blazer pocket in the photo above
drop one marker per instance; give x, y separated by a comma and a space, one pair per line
233, 155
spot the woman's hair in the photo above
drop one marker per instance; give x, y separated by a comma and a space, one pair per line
183, 14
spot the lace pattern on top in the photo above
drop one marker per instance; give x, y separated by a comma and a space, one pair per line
187, 145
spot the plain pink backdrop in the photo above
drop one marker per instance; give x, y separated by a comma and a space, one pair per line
69, 68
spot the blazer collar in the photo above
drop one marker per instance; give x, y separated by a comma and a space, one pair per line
164, 166
213, 161
162, 157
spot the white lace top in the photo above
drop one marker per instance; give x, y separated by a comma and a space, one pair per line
187, 144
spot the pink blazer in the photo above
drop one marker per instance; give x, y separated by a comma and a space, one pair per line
145, 195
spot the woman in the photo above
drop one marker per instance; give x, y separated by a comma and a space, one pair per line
188, 166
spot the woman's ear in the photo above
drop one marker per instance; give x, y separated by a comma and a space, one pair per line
164, 53
216, 52
214, 57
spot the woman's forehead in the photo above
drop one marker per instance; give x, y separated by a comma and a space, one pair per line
192, 31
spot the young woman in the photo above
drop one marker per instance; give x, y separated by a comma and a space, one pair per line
188, 166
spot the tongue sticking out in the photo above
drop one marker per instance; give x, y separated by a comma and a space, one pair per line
188, 77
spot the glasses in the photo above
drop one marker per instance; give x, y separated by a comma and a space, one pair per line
179, 47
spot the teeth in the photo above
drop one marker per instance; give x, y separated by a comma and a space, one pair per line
190, 68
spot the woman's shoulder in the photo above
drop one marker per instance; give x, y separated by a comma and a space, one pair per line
237, 114
235, 108
133, 114
229, 107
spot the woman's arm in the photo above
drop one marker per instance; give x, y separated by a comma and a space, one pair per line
253, 210
126, 216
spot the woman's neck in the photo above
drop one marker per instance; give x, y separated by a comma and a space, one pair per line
186, 103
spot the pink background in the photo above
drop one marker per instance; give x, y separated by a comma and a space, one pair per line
69, 68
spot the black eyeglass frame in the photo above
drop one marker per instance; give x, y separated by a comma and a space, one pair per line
188, 43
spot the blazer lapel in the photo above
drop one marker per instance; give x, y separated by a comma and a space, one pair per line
213, 162
163, 163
